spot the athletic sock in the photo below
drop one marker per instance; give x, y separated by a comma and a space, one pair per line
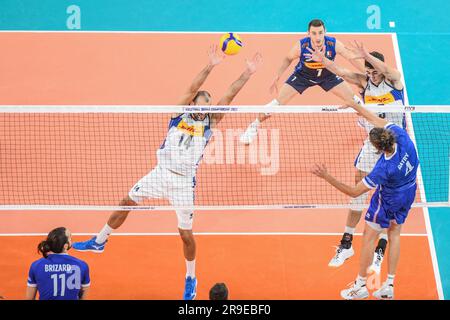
104, 234
390, 279
255, 124
346, 241
190, 269
349, 230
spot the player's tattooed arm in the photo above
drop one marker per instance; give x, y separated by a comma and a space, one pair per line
356, 78
215, 57
293, 54
251, 66
321, 171
392, 74
351, 56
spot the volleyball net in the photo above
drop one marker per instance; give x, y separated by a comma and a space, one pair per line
90, 157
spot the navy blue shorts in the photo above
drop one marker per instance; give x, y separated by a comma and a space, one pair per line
387, 207
301, 83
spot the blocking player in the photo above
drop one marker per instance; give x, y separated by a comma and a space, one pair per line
178, 159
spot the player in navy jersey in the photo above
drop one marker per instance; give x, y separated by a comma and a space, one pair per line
178, 158
308, 73
394, 181
58, 276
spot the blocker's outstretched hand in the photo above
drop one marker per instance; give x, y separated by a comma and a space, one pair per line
215, 55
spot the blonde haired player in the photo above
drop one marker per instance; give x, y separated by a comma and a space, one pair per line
178, 159
380, 85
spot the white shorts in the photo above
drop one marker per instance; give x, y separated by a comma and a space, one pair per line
367, 157
161, 183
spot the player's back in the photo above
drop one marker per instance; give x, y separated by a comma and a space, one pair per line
401, 167
59, 277
311, 69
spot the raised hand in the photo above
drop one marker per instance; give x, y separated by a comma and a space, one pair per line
315, 55
215, 55
320, 170
253, 64
358, 50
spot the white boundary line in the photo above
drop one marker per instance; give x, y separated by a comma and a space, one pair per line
185, 32
419, 176
209, 234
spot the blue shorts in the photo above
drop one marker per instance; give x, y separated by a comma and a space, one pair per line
301, 83
387, 207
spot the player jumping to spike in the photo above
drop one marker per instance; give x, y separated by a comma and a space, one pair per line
394, 181
178, 158
308, 73
379, 85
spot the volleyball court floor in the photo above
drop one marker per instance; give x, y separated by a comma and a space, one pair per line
266, 254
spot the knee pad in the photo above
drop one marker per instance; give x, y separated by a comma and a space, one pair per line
185, 219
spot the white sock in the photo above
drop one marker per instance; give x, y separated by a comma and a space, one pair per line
360, 281
272, 103
349, 230
190, 268
390, 279
383, 236
104, 234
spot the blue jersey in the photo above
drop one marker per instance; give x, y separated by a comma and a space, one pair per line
400, 169
311, 69
59, 277
394, 178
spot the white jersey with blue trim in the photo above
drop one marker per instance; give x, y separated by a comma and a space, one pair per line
184, 145
383, 94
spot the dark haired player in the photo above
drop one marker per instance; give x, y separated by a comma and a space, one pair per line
379, 85
58, 276
308, 73
394, 181
178, 159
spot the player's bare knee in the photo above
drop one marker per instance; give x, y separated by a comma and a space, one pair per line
187, 236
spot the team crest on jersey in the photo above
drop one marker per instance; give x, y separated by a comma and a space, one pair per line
330, 43
192, 130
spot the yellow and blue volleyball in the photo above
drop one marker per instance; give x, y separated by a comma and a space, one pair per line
230, 43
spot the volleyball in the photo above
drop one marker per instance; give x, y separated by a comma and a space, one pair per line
230, 43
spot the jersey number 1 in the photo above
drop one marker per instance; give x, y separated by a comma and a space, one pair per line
55, 284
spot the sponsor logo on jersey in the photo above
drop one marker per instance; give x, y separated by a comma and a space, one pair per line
314, 65
330, 43
384, 99
192, 130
